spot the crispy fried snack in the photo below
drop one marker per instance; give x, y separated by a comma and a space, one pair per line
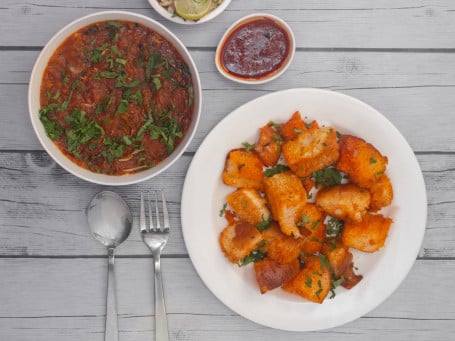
338, 255
360, 160
312, 220
311, 150
238, 240
243, 169
280, 247
268, 146
312, 282
381, 193
295, 126
271, 274
286, 196
249, 205
368, 235
347, 202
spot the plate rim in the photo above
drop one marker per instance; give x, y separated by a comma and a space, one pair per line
412, 254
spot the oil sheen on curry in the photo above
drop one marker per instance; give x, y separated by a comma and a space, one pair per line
255, 49
116, 97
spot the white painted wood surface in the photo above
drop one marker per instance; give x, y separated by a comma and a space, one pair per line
397, 55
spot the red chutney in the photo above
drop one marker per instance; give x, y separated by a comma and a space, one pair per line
116, 97
255, 49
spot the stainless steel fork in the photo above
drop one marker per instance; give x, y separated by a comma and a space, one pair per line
155, 237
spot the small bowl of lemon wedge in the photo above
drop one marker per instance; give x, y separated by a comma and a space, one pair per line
189, 12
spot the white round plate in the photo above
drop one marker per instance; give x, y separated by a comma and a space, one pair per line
204, 195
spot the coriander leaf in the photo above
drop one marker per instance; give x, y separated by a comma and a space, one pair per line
275, 170
53, 130
334, 284
334, 227
264, 224
223, 209
304, 219
254, 256
328, 176
248, 146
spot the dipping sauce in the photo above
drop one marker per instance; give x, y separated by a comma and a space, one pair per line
255, 49
116, 97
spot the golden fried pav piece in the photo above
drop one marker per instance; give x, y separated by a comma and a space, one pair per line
249, 206
238, 240
280, 247
312, 282
295, 126
338, 255
347, 201
312, 220
360, 160
243, 169
350, 278
381, 193
286, 196
268, 146
311, 150
369, 235
271, 274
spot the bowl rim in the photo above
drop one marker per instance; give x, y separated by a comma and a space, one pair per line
179, 20
249, 18
34, 100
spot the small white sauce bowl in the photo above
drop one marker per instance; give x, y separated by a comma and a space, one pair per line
261, 79
34, 99
179, 20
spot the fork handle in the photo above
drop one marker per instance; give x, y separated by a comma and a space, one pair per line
161, 331
111, 329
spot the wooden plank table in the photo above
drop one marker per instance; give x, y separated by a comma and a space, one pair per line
396, 55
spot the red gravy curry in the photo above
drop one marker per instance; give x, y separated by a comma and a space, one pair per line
255, 49
116, 97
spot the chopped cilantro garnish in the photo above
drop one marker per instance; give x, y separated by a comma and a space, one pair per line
328, 176
334, 227
275, 170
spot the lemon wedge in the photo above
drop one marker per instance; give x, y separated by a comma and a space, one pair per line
192, 9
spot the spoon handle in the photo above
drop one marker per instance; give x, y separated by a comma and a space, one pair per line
111, 332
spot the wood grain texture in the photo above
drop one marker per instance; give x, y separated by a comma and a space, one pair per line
414, 91
78, 309
396, 55
42, 210
316, 24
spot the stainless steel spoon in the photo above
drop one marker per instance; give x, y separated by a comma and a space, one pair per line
110, 220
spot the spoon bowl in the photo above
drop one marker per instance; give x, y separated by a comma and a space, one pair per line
110, 220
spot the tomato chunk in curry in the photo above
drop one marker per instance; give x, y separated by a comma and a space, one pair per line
116, 97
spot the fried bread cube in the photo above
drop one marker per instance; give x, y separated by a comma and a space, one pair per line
238, 240
350, 278
338, 255
312, 220
295, 126
369, 235
243, 169
381, 193
286, 196
268, 146
347, 201
249, 205
360, 160
311, 150
312, 282
270, 274
280, 247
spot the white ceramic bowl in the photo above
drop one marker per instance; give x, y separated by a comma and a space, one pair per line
263, 79
175, 18
34, 98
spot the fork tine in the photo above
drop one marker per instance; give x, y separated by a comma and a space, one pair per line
150, 226
167, 225
158, 222
142, 222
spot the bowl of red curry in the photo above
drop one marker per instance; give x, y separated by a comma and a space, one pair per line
255, 49
115, 98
